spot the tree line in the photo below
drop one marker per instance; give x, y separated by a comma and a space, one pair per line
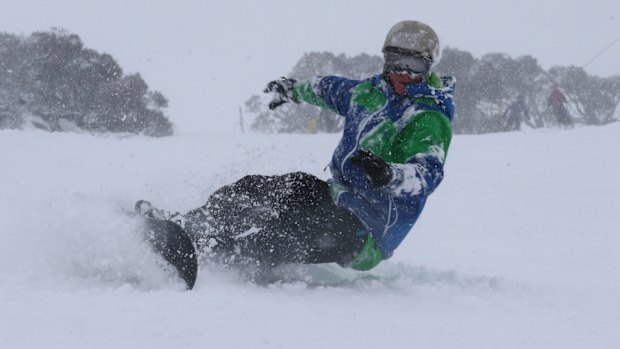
494, 93
49, 80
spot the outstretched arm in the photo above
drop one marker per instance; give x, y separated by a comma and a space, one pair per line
329, 92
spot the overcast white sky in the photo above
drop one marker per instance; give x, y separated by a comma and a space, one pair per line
208, 57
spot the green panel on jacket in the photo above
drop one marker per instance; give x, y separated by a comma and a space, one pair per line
369, 97
369, 257
304, 91
422, 132
426, 130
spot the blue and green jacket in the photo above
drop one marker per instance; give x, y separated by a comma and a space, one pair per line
411, 133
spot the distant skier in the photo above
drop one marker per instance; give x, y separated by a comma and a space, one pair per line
389, 160
557, 103
516, 113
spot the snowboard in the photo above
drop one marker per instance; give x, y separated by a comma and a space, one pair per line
171, 242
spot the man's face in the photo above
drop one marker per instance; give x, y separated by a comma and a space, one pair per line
402, 69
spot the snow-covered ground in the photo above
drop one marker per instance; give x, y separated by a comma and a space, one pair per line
517, 249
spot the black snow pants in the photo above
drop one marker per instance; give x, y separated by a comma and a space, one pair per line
274, 220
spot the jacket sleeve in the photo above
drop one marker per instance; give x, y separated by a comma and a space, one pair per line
424, 141
329, 92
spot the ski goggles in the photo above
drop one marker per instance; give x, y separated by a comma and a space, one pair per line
410, 63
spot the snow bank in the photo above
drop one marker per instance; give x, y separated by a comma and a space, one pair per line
516, 249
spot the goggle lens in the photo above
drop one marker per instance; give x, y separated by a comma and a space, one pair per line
397, 62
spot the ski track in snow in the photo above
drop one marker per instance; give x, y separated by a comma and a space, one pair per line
516, 249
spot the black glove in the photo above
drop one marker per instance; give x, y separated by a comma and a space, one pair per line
283, 88
379, 172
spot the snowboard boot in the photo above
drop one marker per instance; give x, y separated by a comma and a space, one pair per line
144, 208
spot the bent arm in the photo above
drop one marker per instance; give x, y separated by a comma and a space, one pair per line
421, 150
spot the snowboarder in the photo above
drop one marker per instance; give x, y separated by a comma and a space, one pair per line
389, 160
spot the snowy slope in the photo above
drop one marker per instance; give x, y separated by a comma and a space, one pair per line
516, 249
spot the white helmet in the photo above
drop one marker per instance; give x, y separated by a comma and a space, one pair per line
412, 37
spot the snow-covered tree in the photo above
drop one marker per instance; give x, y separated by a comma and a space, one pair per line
50, 77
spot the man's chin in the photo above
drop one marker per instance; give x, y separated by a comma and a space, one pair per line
400, 80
